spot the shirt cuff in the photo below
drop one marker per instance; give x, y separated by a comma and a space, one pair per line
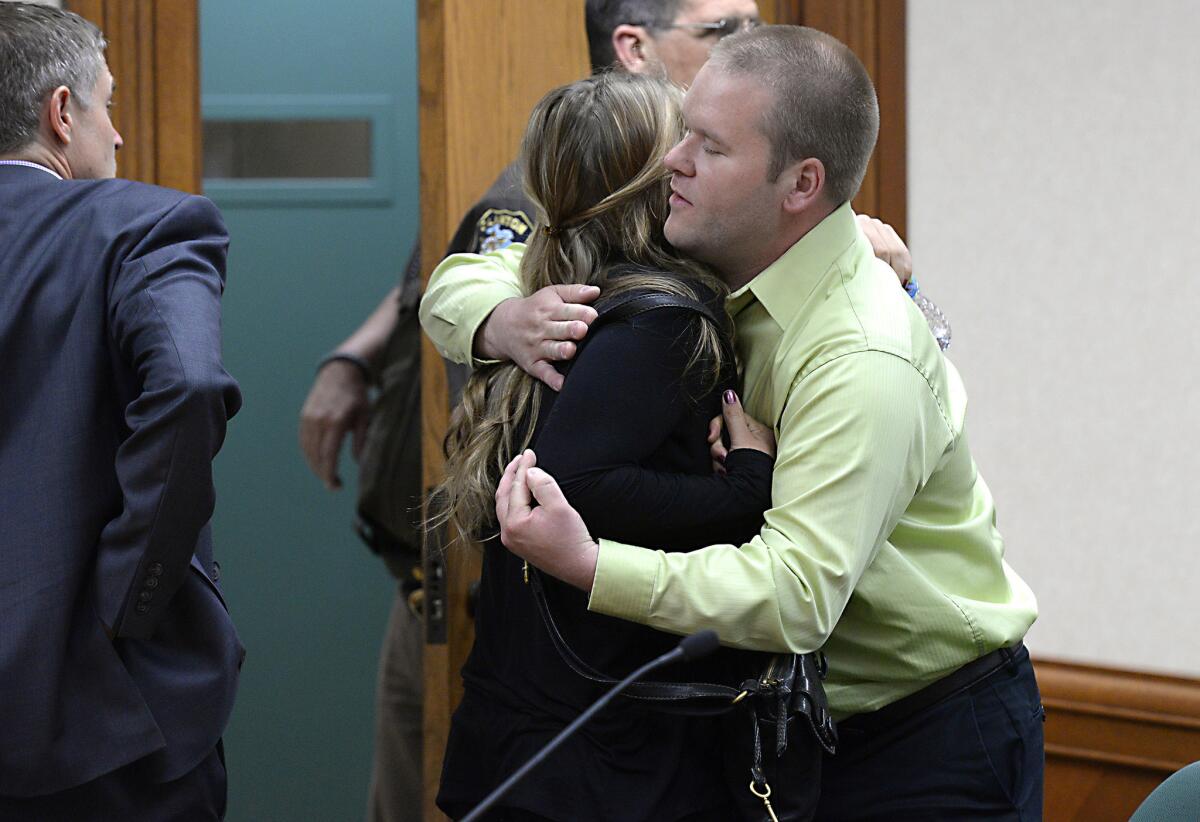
624, 582
456, 336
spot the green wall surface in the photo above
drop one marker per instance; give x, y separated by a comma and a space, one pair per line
305, 269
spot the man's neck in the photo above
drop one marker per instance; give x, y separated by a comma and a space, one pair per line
737, 277
39, 155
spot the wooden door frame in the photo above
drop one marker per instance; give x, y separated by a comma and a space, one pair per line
154, 55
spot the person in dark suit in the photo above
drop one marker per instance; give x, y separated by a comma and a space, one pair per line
118, 659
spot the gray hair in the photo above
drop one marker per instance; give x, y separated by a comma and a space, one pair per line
825, 105
42, 48
605, 15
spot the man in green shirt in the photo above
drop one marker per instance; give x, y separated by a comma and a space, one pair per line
880, 546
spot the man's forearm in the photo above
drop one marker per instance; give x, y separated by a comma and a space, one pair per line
785, 590
370, 338
462, 294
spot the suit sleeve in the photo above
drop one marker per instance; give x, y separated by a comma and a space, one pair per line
165, 322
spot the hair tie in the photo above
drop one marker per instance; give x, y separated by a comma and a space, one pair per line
551, 230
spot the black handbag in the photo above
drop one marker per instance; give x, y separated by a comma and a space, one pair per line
776, 727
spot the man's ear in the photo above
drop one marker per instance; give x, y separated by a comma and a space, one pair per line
805, 182
632, 47
58, 120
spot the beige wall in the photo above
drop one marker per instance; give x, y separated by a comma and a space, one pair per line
1053, 186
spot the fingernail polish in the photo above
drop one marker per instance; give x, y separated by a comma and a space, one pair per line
730, 397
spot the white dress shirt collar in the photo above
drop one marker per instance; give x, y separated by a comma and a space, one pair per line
31, 165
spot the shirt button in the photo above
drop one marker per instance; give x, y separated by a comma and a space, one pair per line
151, 582
156, 569
216, 572
142, 608
146, 596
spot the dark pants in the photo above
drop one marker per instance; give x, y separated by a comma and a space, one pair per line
976, 755
395, 793
125, 794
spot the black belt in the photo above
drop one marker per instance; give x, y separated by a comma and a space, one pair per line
965, 677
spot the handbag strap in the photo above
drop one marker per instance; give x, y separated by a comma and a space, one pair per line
634, 303
624, 307
705, 693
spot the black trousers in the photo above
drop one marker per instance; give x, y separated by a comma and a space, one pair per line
977, 755
125, 794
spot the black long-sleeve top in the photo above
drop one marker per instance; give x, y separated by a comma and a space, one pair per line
626, 440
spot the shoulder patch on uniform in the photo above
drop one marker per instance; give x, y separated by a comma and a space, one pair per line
501, 227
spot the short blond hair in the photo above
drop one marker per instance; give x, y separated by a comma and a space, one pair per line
825, 104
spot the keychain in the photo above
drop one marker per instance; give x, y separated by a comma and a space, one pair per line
765, 796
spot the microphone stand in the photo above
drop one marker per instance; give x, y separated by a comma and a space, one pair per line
691, 647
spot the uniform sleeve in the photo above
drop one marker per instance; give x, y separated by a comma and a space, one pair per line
165, 314
462, 292
624, 397
857, 438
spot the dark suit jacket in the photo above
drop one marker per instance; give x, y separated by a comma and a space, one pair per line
113, 402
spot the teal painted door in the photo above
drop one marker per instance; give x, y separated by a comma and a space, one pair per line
309, 258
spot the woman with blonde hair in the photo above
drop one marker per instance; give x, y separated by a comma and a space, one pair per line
626, 438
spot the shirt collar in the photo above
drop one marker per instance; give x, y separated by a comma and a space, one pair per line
785, 285
28, 164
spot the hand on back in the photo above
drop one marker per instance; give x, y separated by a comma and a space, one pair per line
538, 330
887, 245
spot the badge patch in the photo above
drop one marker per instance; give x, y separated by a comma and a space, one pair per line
499, 228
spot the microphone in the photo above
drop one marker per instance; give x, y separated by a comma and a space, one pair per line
690, 648
697, 645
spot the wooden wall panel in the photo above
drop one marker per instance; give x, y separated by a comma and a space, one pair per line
480, 75
154, 55
779, 11
1112, 736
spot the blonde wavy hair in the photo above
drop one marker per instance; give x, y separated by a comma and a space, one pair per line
592, 161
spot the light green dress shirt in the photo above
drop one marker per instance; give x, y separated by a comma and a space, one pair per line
880, 546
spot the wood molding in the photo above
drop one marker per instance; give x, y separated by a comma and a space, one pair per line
154, 55
1113, 735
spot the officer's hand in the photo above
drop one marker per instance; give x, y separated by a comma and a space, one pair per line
536, 331
550, 535
887, 245
337, 405
744, 430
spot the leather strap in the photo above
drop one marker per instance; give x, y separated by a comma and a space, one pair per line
706, 697
709, 698
634, 303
